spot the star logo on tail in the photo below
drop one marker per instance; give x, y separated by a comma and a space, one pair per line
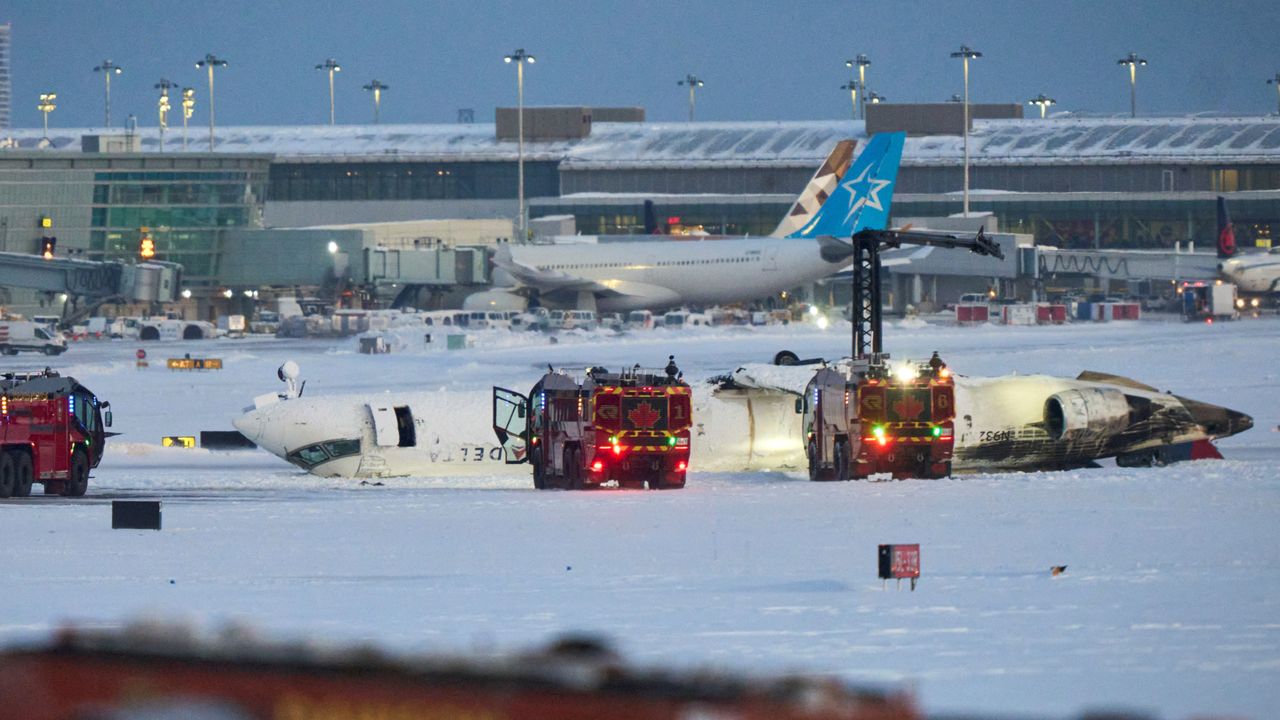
864, 190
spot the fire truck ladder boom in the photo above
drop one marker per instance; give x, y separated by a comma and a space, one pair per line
866, 312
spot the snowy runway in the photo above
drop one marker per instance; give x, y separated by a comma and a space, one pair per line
1170, 603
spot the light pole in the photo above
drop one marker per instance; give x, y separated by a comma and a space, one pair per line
332, 66
852, 87
211, 61
108, 68
188, 109
694, 83
1276, 81
162, 107
875, 98
1043, 101
965, 53
861, 62
47, 106
520, 58
1133, 61
376, 87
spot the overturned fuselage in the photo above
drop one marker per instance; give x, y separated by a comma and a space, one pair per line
745, 421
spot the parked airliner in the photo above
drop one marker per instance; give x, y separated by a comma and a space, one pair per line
1252, 273
658, 274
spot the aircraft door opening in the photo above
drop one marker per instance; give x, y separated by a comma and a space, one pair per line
511, 424
393, 426
408, 437
770, 261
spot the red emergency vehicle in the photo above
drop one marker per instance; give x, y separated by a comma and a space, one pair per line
173, 672
870, 417
629, 427
52, 431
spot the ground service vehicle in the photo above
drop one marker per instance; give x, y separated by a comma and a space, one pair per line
630, 427
170, 672
19, 335
869, 417
1208, 301
51, 432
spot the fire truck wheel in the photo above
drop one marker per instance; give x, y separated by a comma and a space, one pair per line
78, 479
816, 473
22, 474
573, 468
842, 460
539, 472
6, 475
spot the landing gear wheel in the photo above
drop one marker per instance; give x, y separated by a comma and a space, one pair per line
22, 474
78, 479
6, 475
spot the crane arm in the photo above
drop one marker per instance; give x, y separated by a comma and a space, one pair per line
977, 243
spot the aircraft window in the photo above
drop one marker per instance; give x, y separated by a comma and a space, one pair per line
404, 424
308, 457
342, 448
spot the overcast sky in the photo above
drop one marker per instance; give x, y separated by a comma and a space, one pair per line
760, 60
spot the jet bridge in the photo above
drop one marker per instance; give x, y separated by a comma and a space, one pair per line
92, 282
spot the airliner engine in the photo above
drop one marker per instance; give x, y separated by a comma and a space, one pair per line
499, 299
1085, 413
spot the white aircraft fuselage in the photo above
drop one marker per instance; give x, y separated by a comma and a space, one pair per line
1001, 425
1253, 272
659, 274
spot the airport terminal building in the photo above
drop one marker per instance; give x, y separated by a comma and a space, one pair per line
1072, 182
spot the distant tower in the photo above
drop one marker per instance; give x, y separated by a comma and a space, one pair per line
5, 93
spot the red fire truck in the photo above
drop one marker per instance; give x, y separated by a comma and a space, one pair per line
629, 427
173, 672
52, 431
870, 417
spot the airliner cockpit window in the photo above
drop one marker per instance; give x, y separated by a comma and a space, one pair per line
308, 457
342, 448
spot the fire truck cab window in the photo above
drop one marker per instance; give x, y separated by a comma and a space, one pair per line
84, 411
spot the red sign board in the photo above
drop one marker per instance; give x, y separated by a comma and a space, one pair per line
899, 561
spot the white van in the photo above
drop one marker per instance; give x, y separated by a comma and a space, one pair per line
640, 320
578, 320
684, 318
19, 335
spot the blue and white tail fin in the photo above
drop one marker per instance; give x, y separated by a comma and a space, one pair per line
820, 186
862, 198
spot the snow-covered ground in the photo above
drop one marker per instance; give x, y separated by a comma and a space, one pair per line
1170, 603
